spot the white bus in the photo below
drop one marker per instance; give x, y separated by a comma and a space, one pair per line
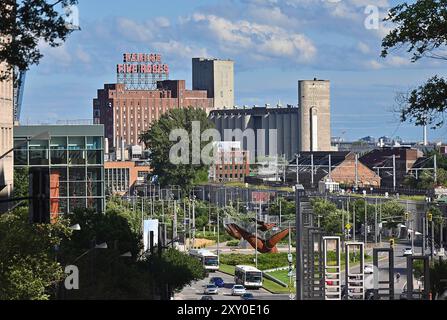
209, 260
248, 276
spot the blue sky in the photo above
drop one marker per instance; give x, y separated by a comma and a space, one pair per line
274, 43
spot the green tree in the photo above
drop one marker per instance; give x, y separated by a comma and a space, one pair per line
330, 216
173, 270
420, 28
28, 270
27, 23
393, 212
21, 183
157, 140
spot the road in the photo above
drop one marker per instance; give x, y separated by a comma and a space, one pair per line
195, 290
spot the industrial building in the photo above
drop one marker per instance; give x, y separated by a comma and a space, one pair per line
6, 133
314, 101
216, 76
73, 156
141, 96
286, 130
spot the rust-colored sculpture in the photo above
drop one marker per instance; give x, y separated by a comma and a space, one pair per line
264, 246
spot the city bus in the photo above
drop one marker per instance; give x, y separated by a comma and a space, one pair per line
248, 276
209, 260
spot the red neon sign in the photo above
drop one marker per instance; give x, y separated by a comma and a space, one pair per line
142, 63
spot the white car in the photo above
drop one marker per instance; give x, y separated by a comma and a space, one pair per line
368, 269
211, 289
238, 290
407, 252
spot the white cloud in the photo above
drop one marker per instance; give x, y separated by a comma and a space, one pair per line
363, 47
247, 37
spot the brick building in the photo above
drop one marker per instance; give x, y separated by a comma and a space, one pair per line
381, 161
231, 163
126, 114
314, 167
122, 176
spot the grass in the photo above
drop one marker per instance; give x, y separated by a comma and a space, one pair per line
267, 284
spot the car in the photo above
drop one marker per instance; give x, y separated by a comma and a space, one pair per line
368, 269
238, 290
211, 289
407, 252
218, 281
206, 298
247, 296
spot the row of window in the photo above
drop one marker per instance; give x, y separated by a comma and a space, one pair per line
65, 205
57, 157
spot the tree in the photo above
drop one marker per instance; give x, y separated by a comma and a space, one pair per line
157, 140
393, 212
421, 28
28, 269
330, 216
27, 23
21, 182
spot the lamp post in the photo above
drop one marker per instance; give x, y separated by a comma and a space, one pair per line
365, 229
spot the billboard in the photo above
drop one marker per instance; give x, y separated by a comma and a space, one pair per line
141, 71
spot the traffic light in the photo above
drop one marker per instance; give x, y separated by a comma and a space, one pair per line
406, 216
430, 217
39, 190
391, 242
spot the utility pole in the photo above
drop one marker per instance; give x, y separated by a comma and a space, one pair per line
423, 235
353, 222
280, 212
366, 222
435, 168
297, 169
375, 223
218, 229
394, 172
312, 168
256, 231
356, 171
193, 221
432, 239
330, 168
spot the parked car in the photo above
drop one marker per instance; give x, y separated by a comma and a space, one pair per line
247, 296
206, 298
211, 289
218, 281
238, 290
368, 269
407, 252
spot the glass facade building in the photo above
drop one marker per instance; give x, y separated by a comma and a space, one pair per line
74, 155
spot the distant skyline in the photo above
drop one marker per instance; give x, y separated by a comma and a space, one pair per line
274, 44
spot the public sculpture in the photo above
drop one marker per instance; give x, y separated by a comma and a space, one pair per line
263, 245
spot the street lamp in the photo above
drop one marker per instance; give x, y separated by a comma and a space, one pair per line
75, 227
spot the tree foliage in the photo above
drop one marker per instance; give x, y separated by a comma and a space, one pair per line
28, 269
27, 23
421, 28
157, 140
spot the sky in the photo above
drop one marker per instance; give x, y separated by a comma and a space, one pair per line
274, 43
